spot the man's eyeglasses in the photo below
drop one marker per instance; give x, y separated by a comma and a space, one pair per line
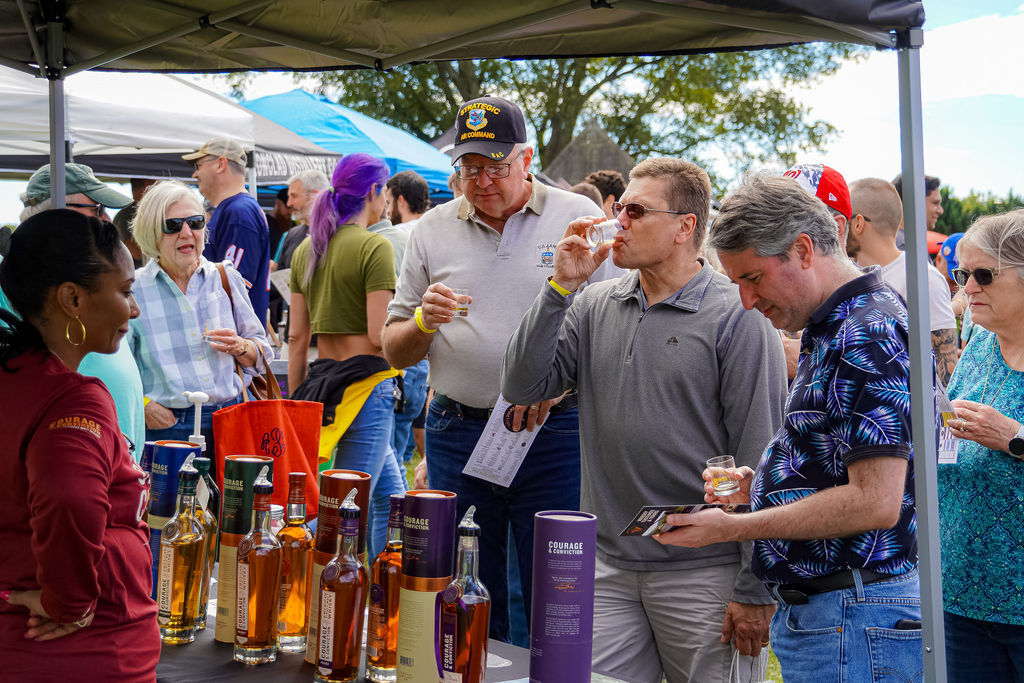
199, 162
172, 226
492, 170
97, 209
983, 276
637, 211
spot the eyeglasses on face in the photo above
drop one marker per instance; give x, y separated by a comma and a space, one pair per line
467, 172
97, 209
983, 276
637, 211
172, 226
199, 162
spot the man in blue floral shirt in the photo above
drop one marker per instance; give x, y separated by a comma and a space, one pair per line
833, 496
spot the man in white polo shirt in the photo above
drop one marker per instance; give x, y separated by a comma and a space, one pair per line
497, 242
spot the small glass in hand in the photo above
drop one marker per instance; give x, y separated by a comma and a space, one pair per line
722, 469
461, 301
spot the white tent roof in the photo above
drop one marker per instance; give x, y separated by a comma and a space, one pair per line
125, 113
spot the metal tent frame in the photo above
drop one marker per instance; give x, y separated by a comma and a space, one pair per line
222, 36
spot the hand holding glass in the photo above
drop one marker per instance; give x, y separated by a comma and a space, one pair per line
722, 470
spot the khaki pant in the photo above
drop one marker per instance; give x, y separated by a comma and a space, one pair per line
653, 624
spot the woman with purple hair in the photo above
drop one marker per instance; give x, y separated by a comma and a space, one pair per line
342, 280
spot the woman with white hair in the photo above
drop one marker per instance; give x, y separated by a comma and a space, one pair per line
191, 331
981, 518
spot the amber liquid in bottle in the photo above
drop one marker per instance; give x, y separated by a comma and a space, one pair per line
465, 613
181, 566
343, 587
296, 569
382, 615
208, 515
258, 584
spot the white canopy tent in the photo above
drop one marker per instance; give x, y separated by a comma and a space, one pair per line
134, 125
58, 38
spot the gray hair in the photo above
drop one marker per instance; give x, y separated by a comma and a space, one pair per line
1000, 237
312, 179
149, 218
767, 214
33, 209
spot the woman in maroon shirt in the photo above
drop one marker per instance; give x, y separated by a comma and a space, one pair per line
75, 566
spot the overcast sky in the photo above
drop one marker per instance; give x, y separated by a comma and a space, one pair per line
973, 99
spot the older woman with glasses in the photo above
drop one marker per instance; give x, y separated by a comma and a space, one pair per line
192, 330
980, 511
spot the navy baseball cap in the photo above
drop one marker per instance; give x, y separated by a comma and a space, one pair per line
490, 127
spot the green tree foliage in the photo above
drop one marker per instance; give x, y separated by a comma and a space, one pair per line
733, 106
958, 214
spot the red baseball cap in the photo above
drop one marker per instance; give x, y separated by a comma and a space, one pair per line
825, 183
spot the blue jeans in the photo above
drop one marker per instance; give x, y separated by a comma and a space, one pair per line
549, 479
850, 635
366, 447
983, 650
414, 390
184, 427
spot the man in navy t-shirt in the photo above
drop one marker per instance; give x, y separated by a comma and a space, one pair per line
834, 515
238, 228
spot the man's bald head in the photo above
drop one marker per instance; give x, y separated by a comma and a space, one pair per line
879, 203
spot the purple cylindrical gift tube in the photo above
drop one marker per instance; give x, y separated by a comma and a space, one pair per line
428, 534
562, 623
146, 462
428, 559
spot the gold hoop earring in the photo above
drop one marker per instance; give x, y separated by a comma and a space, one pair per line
67, 332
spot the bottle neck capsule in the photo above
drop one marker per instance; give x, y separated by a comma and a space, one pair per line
469, 551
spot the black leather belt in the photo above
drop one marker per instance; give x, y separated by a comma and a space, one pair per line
461, 408
797, 593
567, 403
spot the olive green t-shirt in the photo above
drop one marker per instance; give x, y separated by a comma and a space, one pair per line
357, 262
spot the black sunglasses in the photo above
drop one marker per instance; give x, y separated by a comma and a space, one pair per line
97, 209
983, 276
637, 211
172, 226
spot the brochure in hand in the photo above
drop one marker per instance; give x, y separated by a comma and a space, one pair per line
650, 519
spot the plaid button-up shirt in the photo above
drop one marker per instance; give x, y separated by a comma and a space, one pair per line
167, 337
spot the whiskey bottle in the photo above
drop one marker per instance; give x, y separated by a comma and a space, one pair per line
181, 565
258, 583
343, 587
382, 615
207, 502
296, 569
464, 612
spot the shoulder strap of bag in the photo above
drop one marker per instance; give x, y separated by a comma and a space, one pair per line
273, 388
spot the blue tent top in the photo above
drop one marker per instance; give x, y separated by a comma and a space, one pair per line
346, 131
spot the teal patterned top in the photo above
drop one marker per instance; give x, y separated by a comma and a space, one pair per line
981, 499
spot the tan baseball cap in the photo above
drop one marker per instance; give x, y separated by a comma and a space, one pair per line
231, 150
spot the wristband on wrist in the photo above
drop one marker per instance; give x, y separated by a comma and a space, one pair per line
420, 324
557, 287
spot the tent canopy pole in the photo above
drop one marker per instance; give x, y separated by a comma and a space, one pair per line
922, 405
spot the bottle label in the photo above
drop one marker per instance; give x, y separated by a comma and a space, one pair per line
164, 583
326, 649
448, 644
242, 601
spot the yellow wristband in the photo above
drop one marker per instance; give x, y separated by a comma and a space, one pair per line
557, 287
145, 401
420, 324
